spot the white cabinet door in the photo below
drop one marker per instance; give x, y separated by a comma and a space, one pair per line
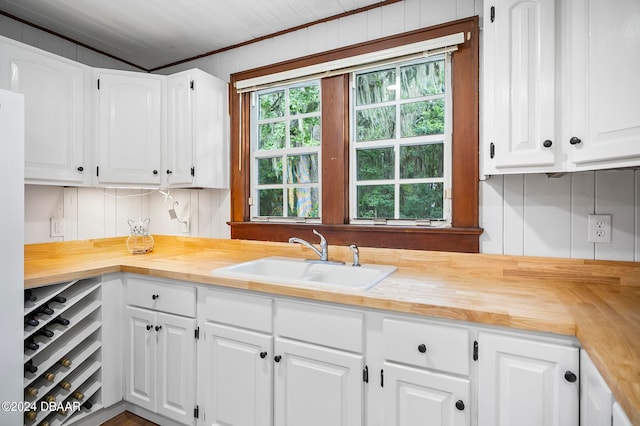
415, 397
197, 131
520, 85
317, 386
619, 416
238, 376
140, 358
129, 128
180, 132
176, 375
526, 383
56, 113
595, 397
601, 69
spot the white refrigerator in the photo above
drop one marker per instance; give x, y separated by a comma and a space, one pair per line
11, 255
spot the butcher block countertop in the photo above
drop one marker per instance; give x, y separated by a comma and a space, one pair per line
596, 301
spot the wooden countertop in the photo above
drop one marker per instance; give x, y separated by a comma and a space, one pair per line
596, 301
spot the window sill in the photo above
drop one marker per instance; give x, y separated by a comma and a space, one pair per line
465, 240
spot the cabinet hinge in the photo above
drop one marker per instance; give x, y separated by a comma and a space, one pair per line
193, 172
98, 84
492, 150
493, 13
365, 374
192, 85
196, 412
196, 333
475, 350
381, 378
97, 170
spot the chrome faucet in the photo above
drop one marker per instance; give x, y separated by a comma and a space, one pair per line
324, 249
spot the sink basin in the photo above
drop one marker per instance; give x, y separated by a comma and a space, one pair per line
289, 270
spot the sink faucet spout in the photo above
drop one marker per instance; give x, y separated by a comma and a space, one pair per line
323, 253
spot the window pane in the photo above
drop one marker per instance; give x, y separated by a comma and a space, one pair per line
422, 118
421, 201
376, 123
422, 79
272, 136
376, 163
421, 161
373, 87
271, 105
303, 100
305, 132
269, 170
270, 202
375, 201
303, 202
302, 168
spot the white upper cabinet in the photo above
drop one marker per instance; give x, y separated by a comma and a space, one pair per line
520, 81
602, 63
559, 86
129, 128
197, 131
57, 113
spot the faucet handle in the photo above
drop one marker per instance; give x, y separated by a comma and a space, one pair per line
356, 254
323, 240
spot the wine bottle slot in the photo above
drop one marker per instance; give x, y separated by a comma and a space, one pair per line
60, 320
44, 309
63, 411
65, 362
30, 344
59, 299
30, 415
88, 405
49, 376
29, 296
30, 367
45, 332
78, 395
31, 391
65, 385
31, 321
50, 398
44, 423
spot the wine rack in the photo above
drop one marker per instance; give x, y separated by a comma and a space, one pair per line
67, 326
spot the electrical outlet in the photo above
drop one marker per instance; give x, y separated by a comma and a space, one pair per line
599, 228
56, 227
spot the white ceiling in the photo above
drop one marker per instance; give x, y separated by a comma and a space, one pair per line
153, 33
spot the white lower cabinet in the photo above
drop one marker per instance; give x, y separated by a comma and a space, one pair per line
526, 382
238, 368
425, 373
317, 386
160, 351
416, 397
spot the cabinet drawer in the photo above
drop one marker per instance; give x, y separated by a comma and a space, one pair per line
239, 310
432, 346
166, 297
333, 327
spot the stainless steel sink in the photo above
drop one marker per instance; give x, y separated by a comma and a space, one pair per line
289, 270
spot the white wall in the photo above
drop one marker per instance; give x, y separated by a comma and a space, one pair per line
521, 215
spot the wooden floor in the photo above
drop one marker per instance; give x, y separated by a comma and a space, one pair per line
128, 419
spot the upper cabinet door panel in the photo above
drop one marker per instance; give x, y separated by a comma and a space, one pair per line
180, 137
54, 113
129, 128
605, 42
521, 46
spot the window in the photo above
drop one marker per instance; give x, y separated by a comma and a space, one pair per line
400, 143
268, 186
286, 134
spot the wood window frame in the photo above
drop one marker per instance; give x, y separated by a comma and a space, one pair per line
464, 233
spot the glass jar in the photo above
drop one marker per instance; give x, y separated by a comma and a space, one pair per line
140, 241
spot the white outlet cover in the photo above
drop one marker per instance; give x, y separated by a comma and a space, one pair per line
599, 228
